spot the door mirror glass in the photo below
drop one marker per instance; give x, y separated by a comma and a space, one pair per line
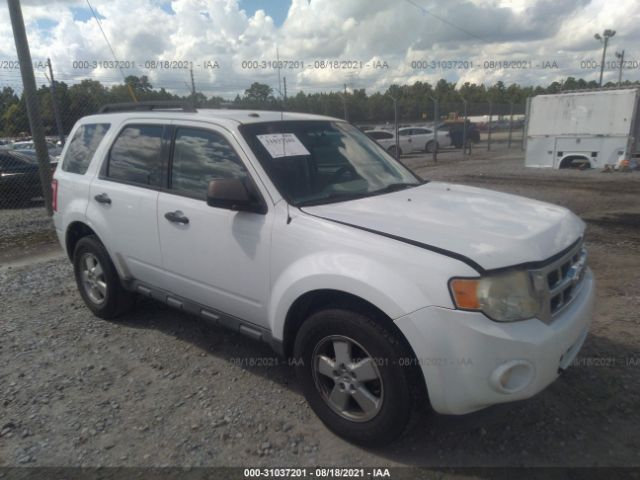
232, 194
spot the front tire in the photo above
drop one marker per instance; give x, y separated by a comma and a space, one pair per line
428, 148
98, 281
356, 375
392, 151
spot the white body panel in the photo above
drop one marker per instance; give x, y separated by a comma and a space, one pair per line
493, 229
397, 251
600, 127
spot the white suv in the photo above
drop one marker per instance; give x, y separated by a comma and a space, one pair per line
388, 291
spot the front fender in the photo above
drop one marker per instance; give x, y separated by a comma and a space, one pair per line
351, 273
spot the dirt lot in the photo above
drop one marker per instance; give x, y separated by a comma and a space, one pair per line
163, 388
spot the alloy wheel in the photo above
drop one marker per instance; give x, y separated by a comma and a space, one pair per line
347, 377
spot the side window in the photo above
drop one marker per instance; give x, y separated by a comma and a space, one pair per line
404, 133
82, 147
135, 155
199, 156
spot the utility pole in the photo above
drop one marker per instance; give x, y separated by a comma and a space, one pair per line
33, 106
54, 103
490, 122
436, 117
464, 129
604, 39
193, 88
620, 55
284, 86
395, 128
510, 123
344, 103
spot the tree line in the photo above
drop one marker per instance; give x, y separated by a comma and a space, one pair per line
414, 102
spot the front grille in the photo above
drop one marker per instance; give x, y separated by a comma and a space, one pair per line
560, 281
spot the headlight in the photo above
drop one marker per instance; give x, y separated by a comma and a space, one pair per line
503, 297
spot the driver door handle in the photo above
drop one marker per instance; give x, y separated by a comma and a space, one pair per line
103, 198
176, 217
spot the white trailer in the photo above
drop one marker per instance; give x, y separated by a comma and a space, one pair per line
583, 128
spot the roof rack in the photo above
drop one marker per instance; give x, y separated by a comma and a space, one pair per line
148, 106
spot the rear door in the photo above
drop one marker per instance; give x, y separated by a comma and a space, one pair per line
420, 137
213, 256
123, 199
405, 140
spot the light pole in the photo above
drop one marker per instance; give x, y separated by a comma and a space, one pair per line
620, 55
435, 128
395, 126
464, 128
604, 39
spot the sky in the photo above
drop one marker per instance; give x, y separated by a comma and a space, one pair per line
323, 45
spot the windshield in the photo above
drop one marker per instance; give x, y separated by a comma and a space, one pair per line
315, 162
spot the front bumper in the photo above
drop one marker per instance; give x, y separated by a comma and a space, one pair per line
470, 362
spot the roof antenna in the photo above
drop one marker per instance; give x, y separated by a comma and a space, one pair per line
282, 115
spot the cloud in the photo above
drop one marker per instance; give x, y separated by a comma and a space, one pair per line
386, 38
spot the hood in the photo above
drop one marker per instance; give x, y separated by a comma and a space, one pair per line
491, 229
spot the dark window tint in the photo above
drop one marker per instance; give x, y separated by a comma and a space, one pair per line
379, 135
135, 155
8, 161
333, 161
82, 147
404, 133
199, 156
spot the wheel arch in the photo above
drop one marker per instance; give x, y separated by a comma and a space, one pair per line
75, 231
315, 300
569, 159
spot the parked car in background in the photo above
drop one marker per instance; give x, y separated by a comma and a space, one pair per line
456, 132
420, 139
387, 140
54, 150
19, 178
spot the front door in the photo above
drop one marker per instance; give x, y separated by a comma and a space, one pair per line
214, 256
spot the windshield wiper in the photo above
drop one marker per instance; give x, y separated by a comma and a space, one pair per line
334, 197
394, 187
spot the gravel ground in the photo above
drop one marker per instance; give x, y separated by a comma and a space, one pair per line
24, 231
162, 388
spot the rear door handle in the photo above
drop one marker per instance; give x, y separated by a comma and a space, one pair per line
103, 198
176, 217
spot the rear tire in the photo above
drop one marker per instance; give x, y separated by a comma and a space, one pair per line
428, 148
98, 281
357, 375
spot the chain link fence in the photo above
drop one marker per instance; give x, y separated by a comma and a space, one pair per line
484, 126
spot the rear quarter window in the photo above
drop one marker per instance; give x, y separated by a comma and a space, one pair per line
83, 146
380, 135
135, 155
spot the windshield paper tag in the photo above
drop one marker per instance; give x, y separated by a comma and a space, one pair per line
283, 145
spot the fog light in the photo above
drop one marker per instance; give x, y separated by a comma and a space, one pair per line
512, 377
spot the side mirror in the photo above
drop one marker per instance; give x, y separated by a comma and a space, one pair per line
232, 194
